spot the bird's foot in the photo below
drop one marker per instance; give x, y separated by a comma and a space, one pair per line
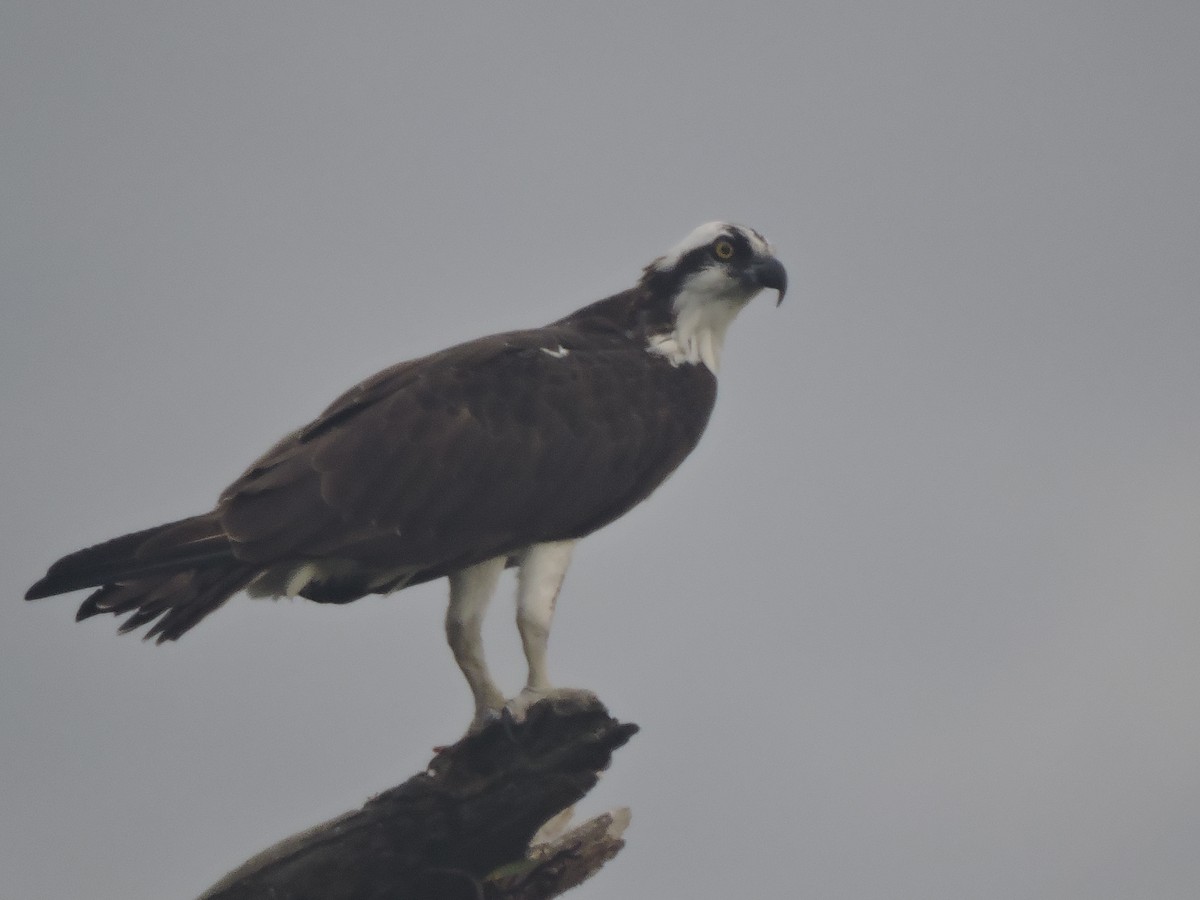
484, 717
516, 709
518, 706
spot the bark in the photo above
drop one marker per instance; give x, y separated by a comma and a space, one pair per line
462, 828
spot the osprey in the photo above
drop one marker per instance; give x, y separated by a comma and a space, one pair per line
503, 451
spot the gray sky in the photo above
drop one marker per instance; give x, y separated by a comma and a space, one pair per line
920, 618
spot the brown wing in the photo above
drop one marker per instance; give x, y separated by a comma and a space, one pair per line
475, 451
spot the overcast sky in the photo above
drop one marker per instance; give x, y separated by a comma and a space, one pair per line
921, 616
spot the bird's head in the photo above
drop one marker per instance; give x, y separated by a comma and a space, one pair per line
727, 263
708, 277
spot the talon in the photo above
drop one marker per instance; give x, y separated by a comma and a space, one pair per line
518, 706
484, 718
507, 722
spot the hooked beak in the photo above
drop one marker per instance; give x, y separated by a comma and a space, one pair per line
770, 273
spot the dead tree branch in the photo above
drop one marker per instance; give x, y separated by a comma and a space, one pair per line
462, 829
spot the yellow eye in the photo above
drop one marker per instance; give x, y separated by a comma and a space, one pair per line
723, 250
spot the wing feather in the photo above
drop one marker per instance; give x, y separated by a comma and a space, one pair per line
473, 452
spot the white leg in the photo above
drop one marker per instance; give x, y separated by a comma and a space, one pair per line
470, 591
538, 582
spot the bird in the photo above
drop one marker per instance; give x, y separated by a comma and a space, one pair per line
503, 451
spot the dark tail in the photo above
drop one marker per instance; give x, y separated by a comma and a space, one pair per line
180, 572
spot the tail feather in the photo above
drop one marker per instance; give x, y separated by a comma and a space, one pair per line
162, 550
176, 573
178, 601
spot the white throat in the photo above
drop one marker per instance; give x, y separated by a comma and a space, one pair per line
701, 320
711, 294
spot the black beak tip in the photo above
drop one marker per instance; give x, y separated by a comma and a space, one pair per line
771, 274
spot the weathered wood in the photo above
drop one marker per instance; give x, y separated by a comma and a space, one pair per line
556, 865
472, 813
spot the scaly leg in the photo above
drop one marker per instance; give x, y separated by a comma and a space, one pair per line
538, 582
470, 591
